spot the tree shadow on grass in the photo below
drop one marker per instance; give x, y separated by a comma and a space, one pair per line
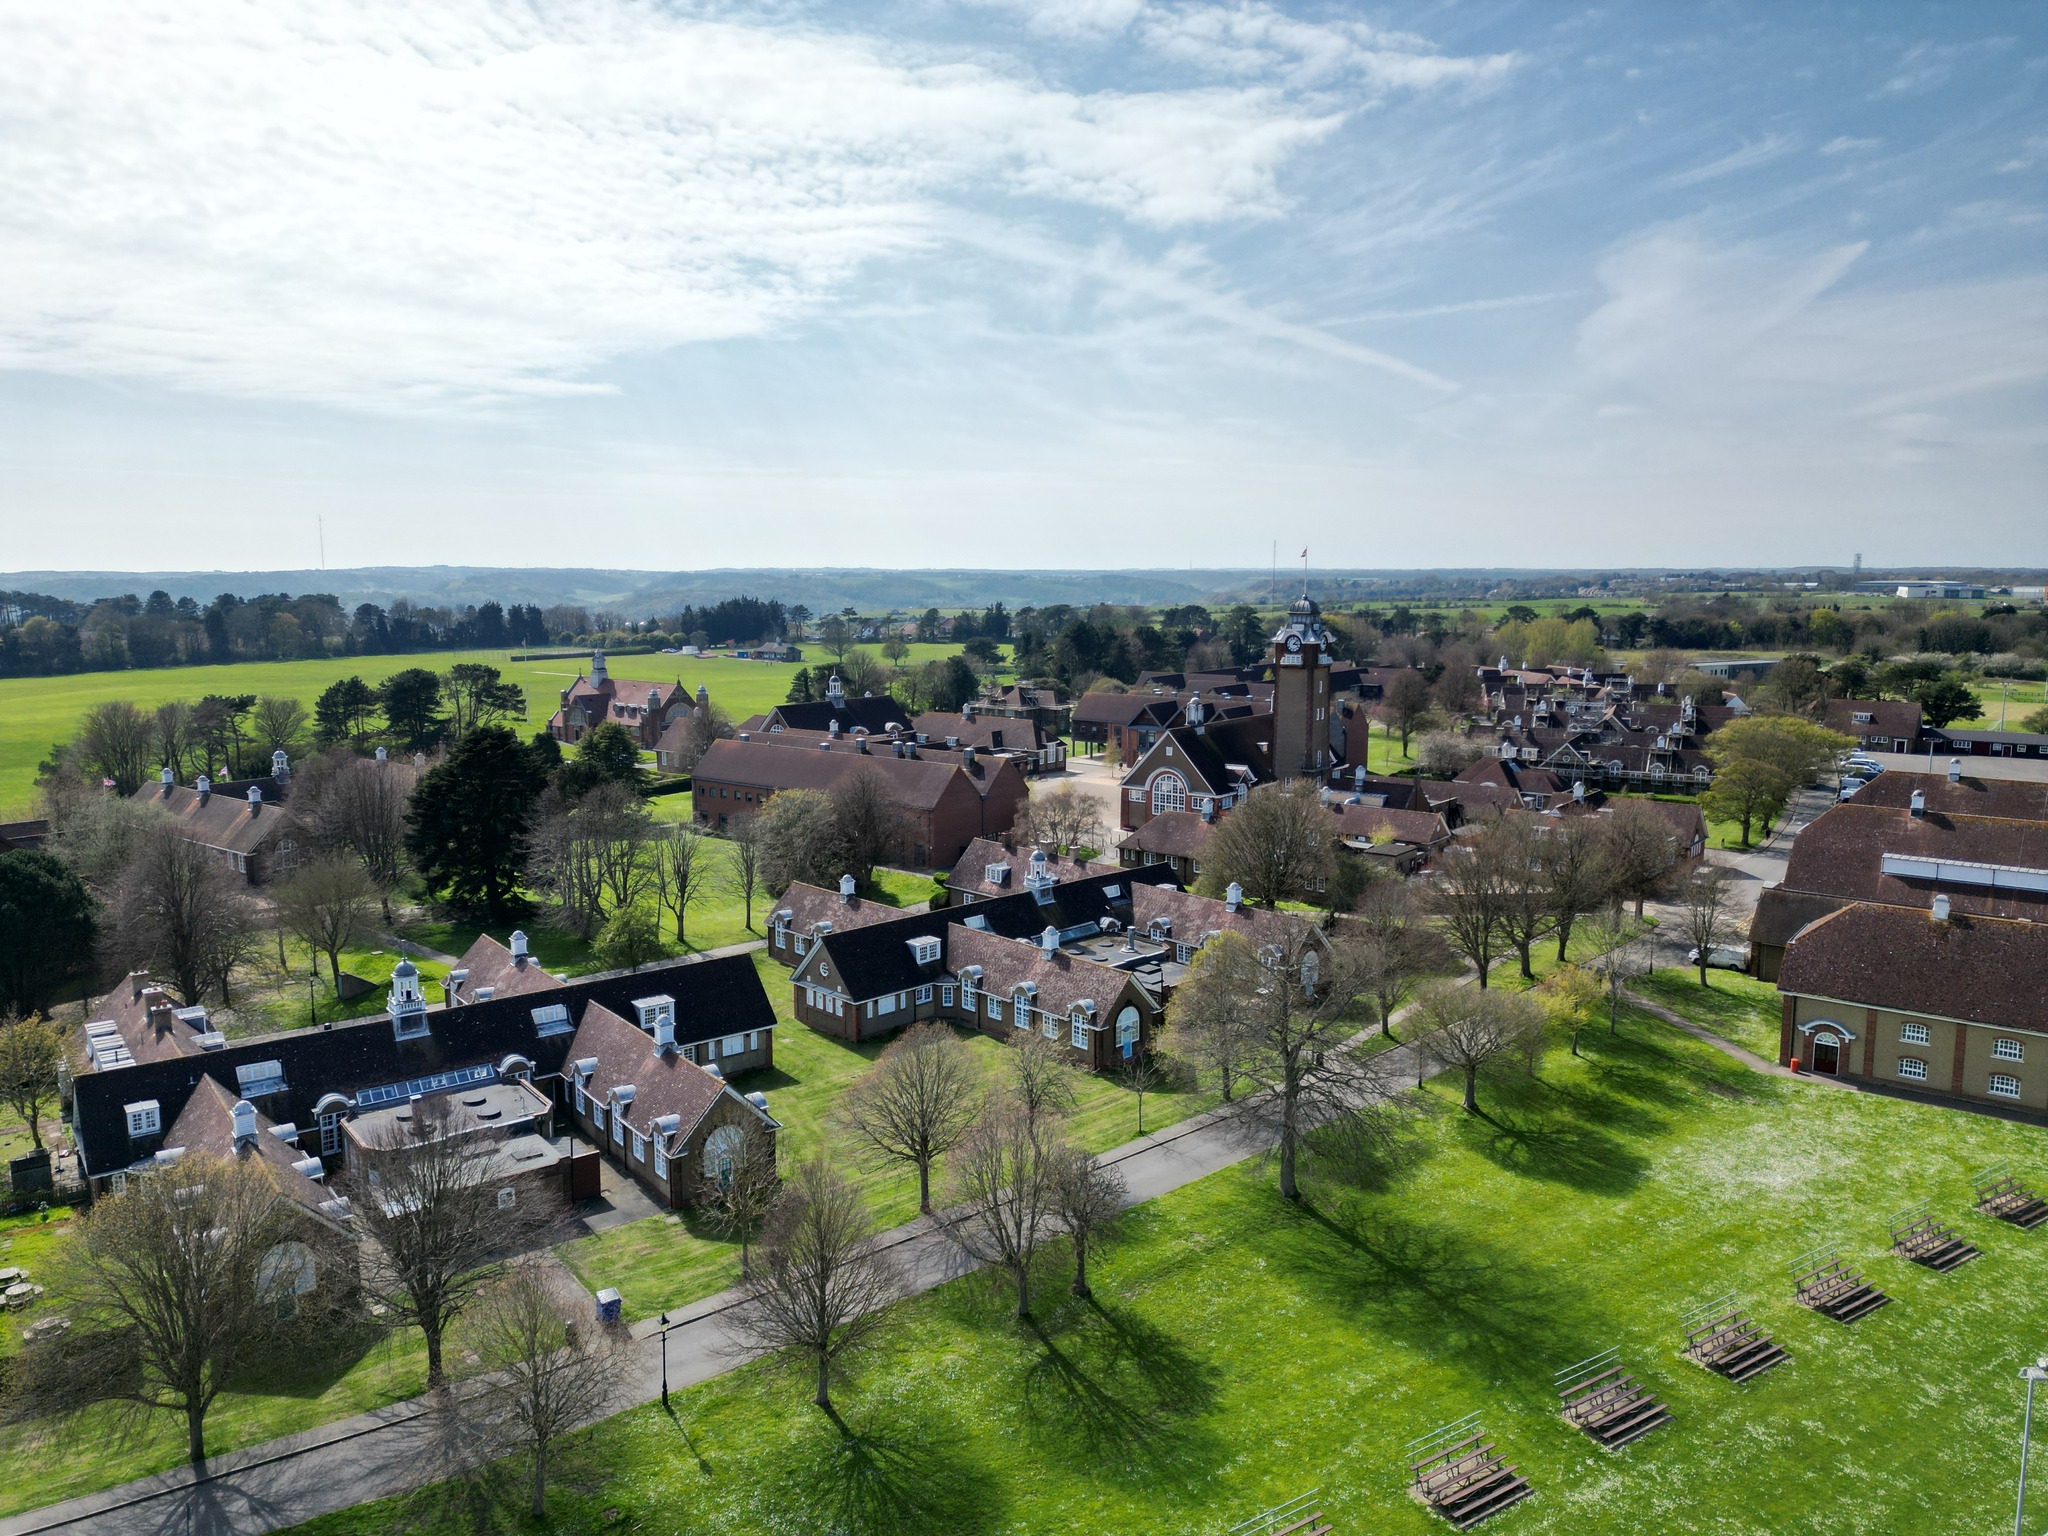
1561, 1149
1114, 1385
887, 1470
1442, 1289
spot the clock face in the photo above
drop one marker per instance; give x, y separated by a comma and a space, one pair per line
1294, 642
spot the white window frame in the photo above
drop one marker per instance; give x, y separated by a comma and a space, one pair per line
1049, 1024
995, 1009
639, 1148
1168, 791
1912, 1069
1913, 1034
2006, 1049
946, 996
1079, 1034
924, 994
618, 1130
733, 1045
2004, 1086
145, 1122
597, 1114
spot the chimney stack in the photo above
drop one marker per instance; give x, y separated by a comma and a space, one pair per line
1919, 803
1941, 908
204, 785
1049, 941
281, 766
1955, 770
519, 946
967, 758
167, 779
255, 799
846, 889
1233, 898
664, 1034
245, 1123
382, 755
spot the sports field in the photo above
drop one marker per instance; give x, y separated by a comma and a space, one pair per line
38, 712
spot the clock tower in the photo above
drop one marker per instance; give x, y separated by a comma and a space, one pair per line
1300, 655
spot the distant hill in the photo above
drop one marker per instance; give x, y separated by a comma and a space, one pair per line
643, 593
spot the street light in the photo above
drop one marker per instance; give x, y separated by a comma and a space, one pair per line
664, 1386
2031, 1374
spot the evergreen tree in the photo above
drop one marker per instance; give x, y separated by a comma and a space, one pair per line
412, 706
342, 713
467, 826
47, 924
608, 755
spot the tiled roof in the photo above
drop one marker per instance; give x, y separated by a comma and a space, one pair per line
220, 820
1840, 853
663, 1083
1191, 917
1172, 835
2004, 799
1888, 717
809, 905
1781, 913
720, 996
1425, 829
206, 1127
1061, 980
1205, 754
970, 874
994, 733
1985, 970
917, 783
490, 964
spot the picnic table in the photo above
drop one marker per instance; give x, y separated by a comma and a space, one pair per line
9, 1276
20, 1294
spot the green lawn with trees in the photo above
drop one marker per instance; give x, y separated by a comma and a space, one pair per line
1241, 1350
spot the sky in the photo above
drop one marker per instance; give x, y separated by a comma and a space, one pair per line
1074, 283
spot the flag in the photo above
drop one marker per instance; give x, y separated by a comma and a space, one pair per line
106, 783
1304, 554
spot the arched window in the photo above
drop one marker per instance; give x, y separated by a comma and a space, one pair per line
1169, 793
1127, 1030
284, 1274
721, 1151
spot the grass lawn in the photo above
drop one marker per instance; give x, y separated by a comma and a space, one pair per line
1242, 1351
40, 711
657, 1264
1734, 1006
2020, 698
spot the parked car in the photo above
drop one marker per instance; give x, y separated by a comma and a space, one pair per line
1721, 957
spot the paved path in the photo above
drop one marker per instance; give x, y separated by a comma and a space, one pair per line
394, 1449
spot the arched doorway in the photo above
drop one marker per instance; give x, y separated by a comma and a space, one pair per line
1827, 1054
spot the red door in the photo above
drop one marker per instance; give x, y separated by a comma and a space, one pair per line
1827, 1055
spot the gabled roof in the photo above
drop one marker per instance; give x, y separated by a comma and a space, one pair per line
1424, 829
222, 819
2001, 799
713, 997
875, 713
1192, 918
809, 905
1985, 970
1888, 717
491, 965
1061, 981
206, 1127
970, 874
917, 783
870, 961
1172, 835
663, 1082
993, 733
1208, 755
1841, 854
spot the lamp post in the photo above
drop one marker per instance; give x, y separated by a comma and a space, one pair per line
664, 1378
2032, 1374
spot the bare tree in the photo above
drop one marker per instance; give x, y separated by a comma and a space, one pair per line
1707, 917
356, 804
1514, 847
915, 1103
1146, 1072
1465, 896
98, 836
174, 737
32, 1052
1576, 877
1570, 996
744, 872
679, 871
1274, 845
1609, 938
705, 724
1395, 947
1003, 1181
327, 906
739, 1196
1039, 1077
861, 672
1291, 1009
180, 912
821, 1286
279, 723
797, 837
591, 855
870, 823
179, 1277
117, 741
439, 1218
1087, 1199
1066, 818
540, 1376
1641, 852
1405, 705
1445, 754
1477, 1031
1205, 1027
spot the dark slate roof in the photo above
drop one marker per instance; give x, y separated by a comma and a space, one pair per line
1983, 969
874, 713
1205, 753
2010, 738
2004, 799
877, 959
713, 997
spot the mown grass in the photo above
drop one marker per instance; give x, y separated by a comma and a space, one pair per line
1734, 1006
1242, 1351
658, 1264
38, 712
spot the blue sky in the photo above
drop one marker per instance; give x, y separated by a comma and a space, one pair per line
1086, 283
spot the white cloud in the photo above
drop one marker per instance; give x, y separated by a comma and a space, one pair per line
1844, 145
388, 205
1766, 149
1254, 41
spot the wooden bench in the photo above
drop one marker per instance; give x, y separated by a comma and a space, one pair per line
1289, 1519
1613, 1408
1930, 1243
2005, 1197
1729, 1344
1834, 1290
1465, 1479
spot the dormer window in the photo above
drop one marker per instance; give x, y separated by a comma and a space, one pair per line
655, 1010
924, 949
1862, 717
145, 1117
996, 874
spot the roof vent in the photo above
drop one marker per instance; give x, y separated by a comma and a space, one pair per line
1941, 908
1049, 941
1233, 898
518, 945
1955, 770
846, 888
1919, 803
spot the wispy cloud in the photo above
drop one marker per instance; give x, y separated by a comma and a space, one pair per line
1844, 145
1764, 150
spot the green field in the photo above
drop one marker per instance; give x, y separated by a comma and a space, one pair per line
38, 712
1242, 1352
